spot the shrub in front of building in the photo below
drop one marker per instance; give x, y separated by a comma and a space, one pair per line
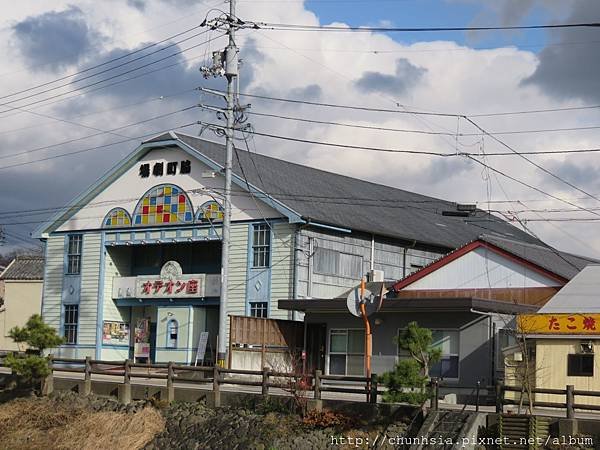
408, 382
32, 366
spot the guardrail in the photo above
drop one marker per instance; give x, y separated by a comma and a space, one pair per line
218, 376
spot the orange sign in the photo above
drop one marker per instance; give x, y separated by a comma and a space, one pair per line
559, 323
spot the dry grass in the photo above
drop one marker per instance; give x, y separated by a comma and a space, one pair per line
43, 424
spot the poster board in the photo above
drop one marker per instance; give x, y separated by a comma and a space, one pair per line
141, 346
115, 333
202, 343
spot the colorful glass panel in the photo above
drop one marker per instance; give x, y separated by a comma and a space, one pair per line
210, 212
163, 204
117, 217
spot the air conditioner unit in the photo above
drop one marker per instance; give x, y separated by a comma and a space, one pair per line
376, 275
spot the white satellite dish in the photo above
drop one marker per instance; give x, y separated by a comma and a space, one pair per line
353, 301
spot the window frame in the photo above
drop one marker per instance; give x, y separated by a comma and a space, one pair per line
337, 272
70, 328
255, 308
74, 255
342, 331
169, 343
450, 355
261, 252
580, 373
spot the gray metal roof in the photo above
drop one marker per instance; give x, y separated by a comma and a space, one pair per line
561, 263
580, 295
346, 202
24, 268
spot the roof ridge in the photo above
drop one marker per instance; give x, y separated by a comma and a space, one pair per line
328, 172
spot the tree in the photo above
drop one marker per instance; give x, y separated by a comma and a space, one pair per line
32, 367
408, 381
417, 341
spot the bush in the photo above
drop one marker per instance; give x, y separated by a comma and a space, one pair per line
29, 367
33, 367
406, 384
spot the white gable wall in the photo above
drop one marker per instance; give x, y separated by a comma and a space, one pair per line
127, 190
482, 269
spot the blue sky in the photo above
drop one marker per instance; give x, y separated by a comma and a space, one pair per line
424, 13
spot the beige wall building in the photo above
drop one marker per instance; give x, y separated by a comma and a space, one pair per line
20, 294
562, 340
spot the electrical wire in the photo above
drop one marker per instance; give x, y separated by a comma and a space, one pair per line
299, 27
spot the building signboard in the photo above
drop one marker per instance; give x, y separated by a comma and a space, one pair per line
115, 333
559, 323
170, 284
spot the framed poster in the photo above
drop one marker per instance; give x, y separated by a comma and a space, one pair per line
115, 333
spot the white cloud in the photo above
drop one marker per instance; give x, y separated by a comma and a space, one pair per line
455, 79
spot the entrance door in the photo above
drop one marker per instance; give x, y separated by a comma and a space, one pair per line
316, 338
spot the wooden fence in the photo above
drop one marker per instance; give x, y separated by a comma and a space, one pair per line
310, 386
570, 404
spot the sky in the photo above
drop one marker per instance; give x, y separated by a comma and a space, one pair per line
478, 74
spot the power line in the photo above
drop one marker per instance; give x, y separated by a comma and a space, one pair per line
114, 76
71, 75
70, 141
400, 130
523, 183
104, 111
359, 108
533, 163
299, 27
96, 147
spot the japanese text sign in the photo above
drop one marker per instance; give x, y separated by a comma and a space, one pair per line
579, 323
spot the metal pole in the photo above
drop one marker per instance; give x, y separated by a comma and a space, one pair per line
231, 68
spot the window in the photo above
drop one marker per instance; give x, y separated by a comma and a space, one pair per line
163, 204
261, 246
210, 212
70, 323
332, 262
259, 309
447, 341
581, 365
346, 352
74, 254
117, 217
172, 332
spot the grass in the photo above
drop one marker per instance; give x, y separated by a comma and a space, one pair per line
27, 424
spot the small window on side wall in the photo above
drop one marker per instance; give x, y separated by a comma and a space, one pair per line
172, 333
580, 365
74, 248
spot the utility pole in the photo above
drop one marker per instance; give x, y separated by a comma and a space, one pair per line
231, 72
226, 63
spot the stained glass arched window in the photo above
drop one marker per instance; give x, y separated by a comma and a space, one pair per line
163, 204
210, 212
117, 217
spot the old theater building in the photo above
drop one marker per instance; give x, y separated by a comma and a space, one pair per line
133, 264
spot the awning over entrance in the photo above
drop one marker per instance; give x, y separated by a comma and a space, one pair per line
411, 305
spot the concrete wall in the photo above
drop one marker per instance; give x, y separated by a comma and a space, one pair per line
22, 299
475, 345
